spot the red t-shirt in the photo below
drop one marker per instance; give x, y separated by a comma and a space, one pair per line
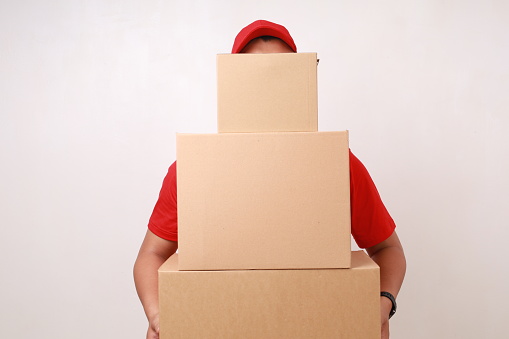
371, 223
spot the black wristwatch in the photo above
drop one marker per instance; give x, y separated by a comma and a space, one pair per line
393, 301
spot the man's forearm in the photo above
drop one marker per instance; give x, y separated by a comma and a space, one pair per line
145, 278
153, 253
390, 257
392, 268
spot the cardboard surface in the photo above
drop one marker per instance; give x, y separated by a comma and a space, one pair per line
263, 200
332, 303
267, 92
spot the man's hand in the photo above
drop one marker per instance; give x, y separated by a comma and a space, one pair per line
153, 328
385, 329
385, 309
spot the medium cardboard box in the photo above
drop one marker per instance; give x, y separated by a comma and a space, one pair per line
293, 304
267, 92
263, 200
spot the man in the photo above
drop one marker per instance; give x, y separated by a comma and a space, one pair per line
372, 226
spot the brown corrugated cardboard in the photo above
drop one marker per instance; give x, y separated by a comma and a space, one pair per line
263, 200
267, 92
293, 304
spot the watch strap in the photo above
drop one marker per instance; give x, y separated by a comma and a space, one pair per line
393, 301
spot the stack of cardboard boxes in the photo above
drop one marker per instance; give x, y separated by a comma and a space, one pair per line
264, 216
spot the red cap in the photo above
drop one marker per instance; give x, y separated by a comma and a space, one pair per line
261, 28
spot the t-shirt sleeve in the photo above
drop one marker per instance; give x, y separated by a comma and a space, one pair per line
164, 221
371, 222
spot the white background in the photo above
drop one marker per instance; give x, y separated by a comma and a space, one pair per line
92, 93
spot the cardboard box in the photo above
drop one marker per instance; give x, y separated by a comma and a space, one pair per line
263, 200
267, 92
333, 303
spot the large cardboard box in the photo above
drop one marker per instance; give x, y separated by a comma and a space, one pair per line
263, 200
293, 304
267, 92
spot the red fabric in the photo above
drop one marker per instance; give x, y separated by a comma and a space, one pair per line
371, 223
260, 28
164, 220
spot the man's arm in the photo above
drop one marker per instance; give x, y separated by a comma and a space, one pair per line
390, 257
153, 253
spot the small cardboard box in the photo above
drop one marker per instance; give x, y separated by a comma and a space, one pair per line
279, 304
263, 200
267, 92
